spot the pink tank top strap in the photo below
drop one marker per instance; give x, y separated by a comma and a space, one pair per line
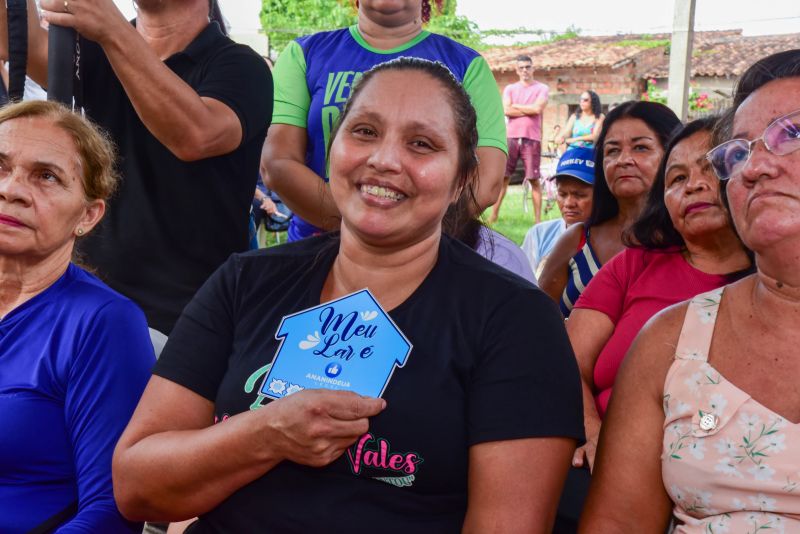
698, 326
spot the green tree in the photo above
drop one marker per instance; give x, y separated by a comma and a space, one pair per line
456, 27
284, 20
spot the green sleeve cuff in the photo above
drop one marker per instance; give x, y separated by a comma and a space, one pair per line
292, 99
482, 90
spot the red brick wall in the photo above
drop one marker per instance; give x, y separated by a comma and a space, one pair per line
566, 85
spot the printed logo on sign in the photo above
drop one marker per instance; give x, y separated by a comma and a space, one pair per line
333, 370
318, 343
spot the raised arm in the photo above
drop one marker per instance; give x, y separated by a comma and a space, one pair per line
627, 492
502, 495
191, 126
37, 43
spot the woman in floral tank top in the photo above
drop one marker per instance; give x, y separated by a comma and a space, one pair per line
704, 423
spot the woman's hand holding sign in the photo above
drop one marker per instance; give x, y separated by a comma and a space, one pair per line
314, 426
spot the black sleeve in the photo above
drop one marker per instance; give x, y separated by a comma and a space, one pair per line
526, 382
196, 354
240, 79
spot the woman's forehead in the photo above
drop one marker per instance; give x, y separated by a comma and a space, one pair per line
764, 105
38, 139
405, 96
690, 149
628, 128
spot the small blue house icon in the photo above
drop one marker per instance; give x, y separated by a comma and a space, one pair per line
349, 343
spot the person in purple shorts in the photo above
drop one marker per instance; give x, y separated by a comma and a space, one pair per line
523, 104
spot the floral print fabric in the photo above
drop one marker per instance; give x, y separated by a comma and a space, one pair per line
728, 463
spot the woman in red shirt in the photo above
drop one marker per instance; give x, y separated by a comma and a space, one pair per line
681, 245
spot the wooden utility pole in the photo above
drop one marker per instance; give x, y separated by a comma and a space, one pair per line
680, 57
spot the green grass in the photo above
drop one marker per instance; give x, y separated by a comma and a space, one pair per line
513, 221
642, 43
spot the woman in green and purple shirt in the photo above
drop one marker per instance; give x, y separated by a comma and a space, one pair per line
314, 77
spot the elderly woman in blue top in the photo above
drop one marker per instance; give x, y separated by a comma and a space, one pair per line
74, 355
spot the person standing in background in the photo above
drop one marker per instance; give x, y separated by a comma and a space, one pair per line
583, 127
188, 110
523, 104
315, 76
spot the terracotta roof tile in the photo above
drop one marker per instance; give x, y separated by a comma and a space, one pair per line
718, 53
576, 52
731, 56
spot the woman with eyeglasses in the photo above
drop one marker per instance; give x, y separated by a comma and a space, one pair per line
682, 244
583, 127
704, 424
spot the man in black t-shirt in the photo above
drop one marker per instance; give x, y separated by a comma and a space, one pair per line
189, 110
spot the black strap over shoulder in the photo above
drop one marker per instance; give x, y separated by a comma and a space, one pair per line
54, 521
17, 11
61, 64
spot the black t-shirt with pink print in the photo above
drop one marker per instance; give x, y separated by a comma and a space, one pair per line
490, 361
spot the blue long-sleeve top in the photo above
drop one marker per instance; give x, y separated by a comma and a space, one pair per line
74, 361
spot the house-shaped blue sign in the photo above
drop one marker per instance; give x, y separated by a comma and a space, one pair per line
349, 343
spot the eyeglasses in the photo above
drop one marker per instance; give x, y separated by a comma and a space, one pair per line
781, 137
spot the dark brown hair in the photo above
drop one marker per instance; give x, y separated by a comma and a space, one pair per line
658, 118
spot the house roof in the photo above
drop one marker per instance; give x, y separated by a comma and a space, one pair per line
576, 52
717, 53
731, 55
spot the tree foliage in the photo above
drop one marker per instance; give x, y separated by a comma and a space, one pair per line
456, 27
284, 20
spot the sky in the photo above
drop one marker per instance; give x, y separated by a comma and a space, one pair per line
593, 17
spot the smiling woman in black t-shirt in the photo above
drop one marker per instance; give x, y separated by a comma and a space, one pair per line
477, 428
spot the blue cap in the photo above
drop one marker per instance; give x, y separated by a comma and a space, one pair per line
577, 163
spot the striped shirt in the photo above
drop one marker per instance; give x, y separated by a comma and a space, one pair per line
582, 267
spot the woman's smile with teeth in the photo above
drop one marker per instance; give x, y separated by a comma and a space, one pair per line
382, 192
